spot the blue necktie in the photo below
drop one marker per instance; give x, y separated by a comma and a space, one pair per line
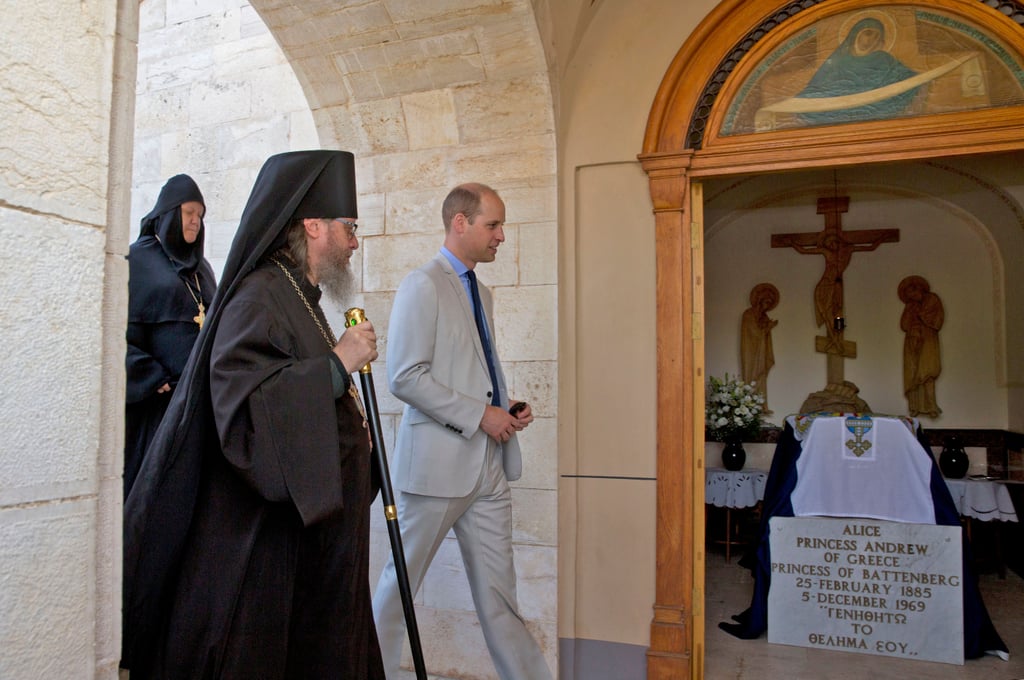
481, 327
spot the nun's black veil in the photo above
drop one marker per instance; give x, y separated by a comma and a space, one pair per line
163, 222
158, 511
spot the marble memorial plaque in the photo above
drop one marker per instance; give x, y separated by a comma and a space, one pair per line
867, 586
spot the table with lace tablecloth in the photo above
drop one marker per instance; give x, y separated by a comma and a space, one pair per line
984, 500
731, 489
734, 489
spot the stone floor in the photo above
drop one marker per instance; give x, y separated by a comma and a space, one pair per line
729, 588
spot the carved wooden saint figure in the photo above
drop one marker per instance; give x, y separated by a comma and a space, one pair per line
922, 318
756, 355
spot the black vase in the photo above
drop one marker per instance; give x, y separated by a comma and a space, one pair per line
953, 460
733, 456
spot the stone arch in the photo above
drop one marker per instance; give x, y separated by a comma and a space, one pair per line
673, 155
349, 57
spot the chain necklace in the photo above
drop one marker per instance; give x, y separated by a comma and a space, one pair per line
198, 299
327, 333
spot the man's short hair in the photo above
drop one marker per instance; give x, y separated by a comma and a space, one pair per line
465, 199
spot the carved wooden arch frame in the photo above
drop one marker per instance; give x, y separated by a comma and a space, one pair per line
673, 156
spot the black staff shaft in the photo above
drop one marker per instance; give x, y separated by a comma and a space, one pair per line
352, 317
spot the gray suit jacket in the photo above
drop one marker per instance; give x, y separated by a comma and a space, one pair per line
436, 366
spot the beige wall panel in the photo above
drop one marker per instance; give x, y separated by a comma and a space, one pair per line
613, 60
615, 561
568, 533
615, 322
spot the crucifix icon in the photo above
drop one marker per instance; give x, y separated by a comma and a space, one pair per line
837, 247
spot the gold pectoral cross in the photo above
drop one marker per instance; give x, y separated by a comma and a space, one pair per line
354, 393
201, 316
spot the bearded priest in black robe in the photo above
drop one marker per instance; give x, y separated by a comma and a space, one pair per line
247, 530
170, 287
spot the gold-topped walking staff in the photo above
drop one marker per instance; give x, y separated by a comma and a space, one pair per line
354, 316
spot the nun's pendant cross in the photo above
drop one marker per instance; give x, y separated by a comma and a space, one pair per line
201, 316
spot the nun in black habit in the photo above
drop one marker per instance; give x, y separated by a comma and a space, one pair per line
247, 531
170, 286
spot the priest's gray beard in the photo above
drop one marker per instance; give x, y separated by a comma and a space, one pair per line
336, 274
337, 279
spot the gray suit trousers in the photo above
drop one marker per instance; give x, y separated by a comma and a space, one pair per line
483, 526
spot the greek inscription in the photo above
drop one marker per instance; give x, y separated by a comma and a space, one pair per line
867, 586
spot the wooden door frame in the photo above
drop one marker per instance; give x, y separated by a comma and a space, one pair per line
673, 161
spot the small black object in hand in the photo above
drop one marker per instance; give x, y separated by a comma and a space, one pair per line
517, 408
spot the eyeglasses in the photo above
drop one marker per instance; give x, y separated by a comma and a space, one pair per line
349, 225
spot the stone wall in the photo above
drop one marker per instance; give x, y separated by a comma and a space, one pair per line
64, 120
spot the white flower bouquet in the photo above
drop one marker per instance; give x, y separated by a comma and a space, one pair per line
732, 410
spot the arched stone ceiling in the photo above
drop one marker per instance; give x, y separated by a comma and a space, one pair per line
359, 51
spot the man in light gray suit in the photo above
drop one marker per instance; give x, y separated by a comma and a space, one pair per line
456, 448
